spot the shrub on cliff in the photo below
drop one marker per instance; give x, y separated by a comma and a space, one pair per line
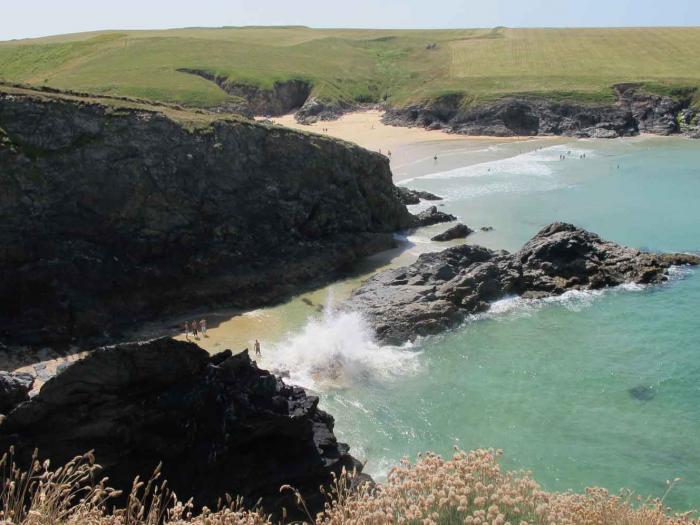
470, 488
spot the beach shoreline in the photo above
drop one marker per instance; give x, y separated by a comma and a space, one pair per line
416, 151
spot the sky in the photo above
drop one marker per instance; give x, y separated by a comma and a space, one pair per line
31, 18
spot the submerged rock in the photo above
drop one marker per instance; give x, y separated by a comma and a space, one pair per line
409, 196
460, 231
440, 289
218, 424
486, 228
432, 216
642, 392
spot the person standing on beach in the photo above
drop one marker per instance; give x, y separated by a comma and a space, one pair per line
193, 324
257, 348
203, 327
187, 331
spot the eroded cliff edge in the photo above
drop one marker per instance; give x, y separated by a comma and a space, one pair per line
633, 111
113, 212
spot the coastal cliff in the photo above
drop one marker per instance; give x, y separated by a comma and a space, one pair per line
218, 424
113, 212
634, 111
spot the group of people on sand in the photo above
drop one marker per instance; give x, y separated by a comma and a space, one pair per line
195, 328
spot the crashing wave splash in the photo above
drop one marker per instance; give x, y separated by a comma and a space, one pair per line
337, 350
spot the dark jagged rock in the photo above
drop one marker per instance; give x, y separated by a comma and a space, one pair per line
14, 389
111, 215
440, 289
633, 112
432, 216
409, 196
219, 425
460, 231
642, 392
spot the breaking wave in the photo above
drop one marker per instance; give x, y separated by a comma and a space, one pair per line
337, 350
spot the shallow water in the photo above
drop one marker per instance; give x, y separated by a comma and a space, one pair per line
549, 381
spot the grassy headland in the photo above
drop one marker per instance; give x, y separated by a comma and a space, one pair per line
398, 66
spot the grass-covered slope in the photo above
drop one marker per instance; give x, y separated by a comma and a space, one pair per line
399, 66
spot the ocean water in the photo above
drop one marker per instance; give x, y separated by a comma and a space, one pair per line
551, 382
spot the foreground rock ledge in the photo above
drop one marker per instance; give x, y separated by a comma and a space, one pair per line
219, 424
440, 289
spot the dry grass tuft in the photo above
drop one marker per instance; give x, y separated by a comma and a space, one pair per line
470, 488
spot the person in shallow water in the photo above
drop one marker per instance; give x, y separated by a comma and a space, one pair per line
257, 348
203, 327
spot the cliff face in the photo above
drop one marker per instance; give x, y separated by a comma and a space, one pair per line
219, 425
283, 97
111, 214
634, 112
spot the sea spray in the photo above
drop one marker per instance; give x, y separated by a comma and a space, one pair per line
337, 350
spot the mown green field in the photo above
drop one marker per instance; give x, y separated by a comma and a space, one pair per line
360, 65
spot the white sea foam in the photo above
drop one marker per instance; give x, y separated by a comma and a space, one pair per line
527, 172
338, 350
574, 300
533, 163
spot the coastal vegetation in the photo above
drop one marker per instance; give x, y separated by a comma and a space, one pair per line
361, 65
468, 488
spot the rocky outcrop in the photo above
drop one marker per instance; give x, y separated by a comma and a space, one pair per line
315, 109
14, 389
219, 425
634, 111
460, 231
432, 216
440, 289
111, 214
281, 98
409, 196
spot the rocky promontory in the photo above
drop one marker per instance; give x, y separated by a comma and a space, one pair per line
113, 211
409, 196
440, 289
219, 424
633, 111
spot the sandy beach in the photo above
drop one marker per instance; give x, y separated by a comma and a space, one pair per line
413, 150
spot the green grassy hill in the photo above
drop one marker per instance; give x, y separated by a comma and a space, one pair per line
360, 65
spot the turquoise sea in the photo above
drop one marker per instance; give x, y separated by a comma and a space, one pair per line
549, 382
